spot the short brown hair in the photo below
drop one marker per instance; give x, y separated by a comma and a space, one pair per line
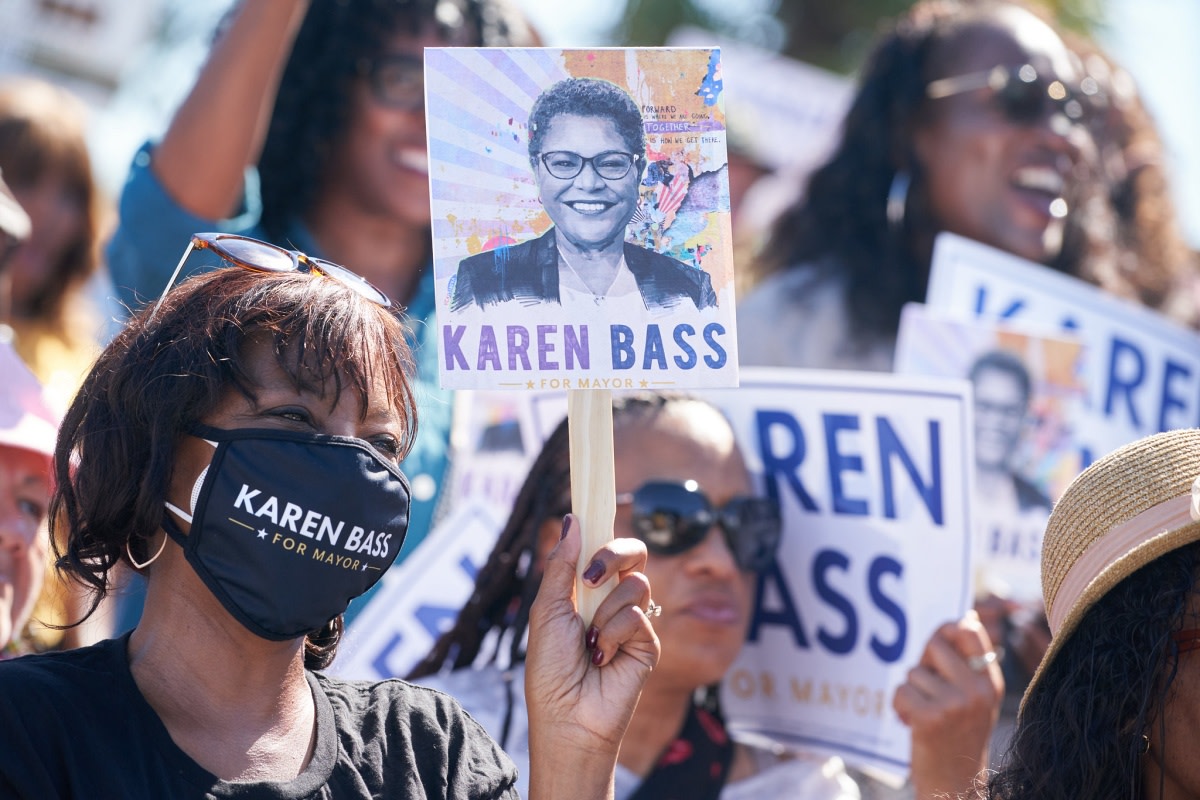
170, 367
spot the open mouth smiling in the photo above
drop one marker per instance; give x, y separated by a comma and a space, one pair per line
589, 207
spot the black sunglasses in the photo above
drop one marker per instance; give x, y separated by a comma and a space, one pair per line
672, 518
258, 256
1021, 94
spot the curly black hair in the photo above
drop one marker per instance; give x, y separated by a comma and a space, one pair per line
335, 46
840, 224
1081, 728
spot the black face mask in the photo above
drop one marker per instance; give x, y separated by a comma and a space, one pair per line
288, 528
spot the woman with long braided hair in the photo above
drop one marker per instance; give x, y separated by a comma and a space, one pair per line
683, 489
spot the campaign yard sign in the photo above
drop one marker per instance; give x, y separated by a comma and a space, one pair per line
874, 475
1143, 370
419, 598
581, 234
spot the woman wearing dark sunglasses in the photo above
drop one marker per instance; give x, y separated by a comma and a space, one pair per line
239, 445
970, 117
683, 489
306, 128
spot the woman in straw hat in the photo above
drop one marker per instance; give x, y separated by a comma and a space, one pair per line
1114, 709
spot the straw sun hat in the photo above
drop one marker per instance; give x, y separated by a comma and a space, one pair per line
1121, 513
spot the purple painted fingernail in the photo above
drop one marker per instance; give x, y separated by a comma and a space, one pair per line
593, 635
566, 527
597, 657
594, 572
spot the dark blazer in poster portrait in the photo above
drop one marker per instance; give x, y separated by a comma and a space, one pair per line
529, 272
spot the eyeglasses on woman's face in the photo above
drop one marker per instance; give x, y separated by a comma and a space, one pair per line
1022, 94
611, 165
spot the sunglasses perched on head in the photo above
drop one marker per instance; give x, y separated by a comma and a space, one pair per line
252, 254
1021, 94
672, 518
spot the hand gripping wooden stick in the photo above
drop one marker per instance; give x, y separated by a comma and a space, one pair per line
593, 485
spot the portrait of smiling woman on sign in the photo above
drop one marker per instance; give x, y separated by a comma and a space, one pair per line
587, 149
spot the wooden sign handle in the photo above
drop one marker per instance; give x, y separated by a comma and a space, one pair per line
593, 485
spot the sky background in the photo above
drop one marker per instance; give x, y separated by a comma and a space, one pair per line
1154, 39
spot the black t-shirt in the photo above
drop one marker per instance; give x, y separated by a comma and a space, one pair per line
73, 724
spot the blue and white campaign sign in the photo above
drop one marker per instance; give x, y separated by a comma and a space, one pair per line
420, 597
1143, 370
875, 475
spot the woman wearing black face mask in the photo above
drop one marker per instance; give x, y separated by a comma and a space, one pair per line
238, 444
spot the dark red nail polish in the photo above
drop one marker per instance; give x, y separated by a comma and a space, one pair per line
597, 657
566, 527
594, 572
593, 635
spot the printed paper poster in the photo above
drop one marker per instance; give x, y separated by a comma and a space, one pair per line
1143, 370
1028, 388
874, 473
580, 218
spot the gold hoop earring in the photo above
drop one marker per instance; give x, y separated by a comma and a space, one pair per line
162, 545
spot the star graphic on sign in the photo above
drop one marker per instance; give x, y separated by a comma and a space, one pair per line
364, 567
529, 385
262, 534
645, 383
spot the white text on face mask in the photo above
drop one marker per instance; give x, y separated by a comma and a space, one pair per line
315, 525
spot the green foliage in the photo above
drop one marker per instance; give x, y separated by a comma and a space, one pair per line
833, 34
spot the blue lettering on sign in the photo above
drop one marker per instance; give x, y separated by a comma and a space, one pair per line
1126, 371
655, 355
822, 564
881, 566
434, 619
657, 349
688, 359
785, 464
1010, 311
889, 448
782, 467
787, 616
623, 356
840, 463
718, 357
786, 613
1170, 400
380, 662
